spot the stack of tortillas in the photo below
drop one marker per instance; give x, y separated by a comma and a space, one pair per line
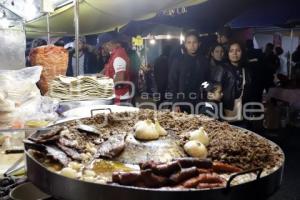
81, 88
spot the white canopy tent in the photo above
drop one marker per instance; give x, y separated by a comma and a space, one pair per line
79, 17
97, 16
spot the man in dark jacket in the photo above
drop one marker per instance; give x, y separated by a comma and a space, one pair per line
255, 66
187, 72
88, 63
161, 70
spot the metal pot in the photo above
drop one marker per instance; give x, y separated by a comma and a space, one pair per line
62, 187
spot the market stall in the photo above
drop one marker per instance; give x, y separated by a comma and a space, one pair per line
23, 109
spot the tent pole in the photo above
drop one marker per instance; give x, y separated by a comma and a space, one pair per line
48, 29
146, 58
76, 23
290, 58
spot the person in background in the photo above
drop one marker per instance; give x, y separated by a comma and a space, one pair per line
60, 43
38, 42
237, 82
87, 60
223, 38
256, 68
161, 71
135, 65
212, 96
295, 71
282, 72
296, 57
187, 72
175, 52
271, 65
118, 64
216, 61
34, 44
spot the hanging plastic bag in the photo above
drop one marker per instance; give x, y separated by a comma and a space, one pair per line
20, 99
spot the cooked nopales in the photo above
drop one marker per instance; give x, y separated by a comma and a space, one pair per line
81, 87
229, 150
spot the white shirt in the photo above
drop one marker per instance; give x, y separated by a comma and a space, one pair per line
283, 69
81, 64
119, 65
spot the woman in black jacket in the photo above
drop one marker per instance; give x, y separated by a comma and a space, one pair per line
216, 61
236, 82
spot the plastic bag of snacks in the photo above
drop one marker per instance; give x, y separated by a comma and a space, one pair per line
20, 99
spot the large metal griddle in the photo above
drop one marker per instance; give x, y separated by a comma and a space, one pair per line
61, 187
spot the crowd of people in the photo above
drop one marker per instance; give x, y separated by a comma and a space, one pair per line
217, 83
222, 82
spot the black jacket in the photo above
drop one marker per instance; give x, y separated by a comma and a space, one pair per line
186, 75
216, 71
231, 90
161, 72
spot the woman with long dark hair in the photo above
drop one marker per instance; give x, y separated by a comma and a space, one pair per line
236, 82
216, 62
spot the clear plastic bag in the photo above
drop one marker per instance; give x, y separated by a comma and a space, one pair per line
20, 85
20, 98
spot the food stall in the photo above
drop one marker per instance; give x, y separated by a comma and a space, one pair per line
110, 152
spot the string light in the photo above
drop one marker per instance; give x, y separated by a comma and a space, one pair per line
181, 38
30, 10
152, 41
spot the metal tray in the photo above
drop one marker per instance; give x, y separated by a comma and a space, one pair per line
62, 187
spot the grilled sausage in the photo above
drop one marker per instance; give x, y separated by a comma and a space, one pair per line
184, 174
126, 178
191, 183
220, 167
148, 165
194, 162
209, 185
166, 169
210, 178
151, 180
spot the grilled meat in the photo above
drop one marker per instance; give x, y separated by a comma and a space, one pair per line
112, 147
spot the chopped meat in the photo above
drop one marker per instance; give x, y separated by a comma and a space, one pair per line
70, 152
112, 147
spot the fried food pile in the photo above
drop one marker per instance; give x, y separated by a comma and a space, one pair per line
54, 61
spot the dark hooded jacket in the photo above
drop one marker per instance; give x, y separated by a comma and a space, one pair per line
186, 75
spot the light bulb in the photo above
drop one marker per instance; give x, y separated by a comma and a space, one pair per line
152, 41
181, 38
30, 10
